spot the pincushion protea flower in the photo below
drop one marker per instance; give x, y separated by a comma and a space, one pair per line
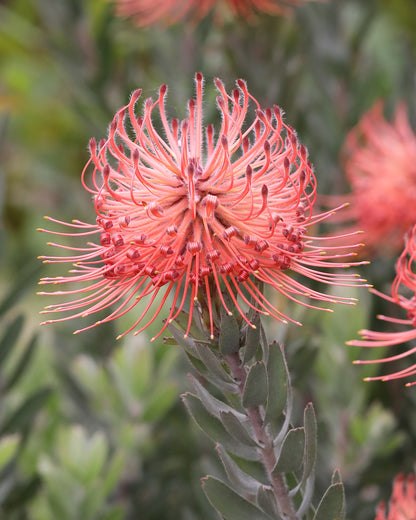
380, 164
405, 277
402, 505
192, 214
148, 12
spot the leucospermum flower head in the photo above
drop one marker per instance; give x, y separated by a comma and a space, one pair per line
402, 505
380, 165
405, 281
190, 213
149, 12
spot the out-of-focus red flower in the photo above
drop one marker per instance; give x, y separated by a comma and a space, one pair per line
380, 165
149, 12
183, 211
405, 280
402, 505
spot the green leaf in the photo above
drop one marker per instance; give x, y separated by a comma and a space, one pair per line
8, 448
61, 488
336, 477
21, 419
95, 457
255, 388
229, 340
22, 364
159, 402
26, 277
267, 502
115, 513
113, 472
21, 494
7, 483
188, 344
132, 364
236, 429
182, 320
229, 504
214, 428
331, 507
211, 403
81, 454
277, 382
170, 341
310, 441
291, 455
246, 484
9, 338
92, 503
215, 368
252, 340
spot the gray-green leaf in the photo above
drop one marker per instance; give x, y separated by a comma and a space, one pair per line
255, 388
331, 507
291, 454
228, 503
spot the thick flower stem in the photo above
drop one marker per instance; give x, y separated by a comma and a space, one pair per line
265, 440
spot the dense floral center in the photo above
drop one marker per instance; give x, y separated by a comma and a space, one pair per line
200, 226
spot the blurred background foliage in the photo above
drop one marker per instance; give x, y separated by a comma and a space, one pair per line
92, 428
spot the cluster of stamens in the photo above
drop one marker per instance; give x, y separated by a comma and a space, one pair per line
197, 215
403, 294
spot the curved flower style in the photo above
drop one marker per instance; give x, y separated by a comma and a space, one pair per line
149, 12
381, 168
402, 505
189, 214
405, 276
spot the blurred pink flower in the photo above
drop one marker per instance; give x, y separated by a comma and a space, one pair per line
149, 12
402, 505
405, 279
380, 165
184, 212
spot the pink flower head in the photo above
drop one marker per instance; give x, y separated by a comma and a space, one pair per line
405, 278
149, 12
190, 213
402, 505
380, 166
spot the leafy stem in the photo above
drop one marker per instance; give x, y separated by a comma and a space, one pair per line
265, 440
